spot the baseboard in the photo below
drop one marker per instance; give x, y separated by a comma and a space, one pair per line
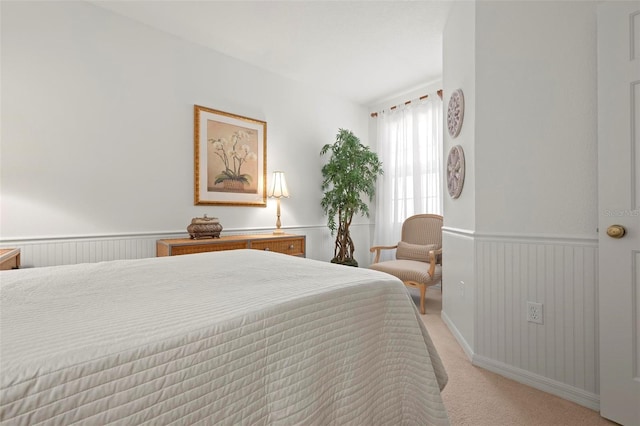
562, 390
458, 336
542, 383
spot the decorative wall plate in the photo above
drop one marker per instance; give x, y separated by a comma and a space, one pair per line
455, 112
455, 171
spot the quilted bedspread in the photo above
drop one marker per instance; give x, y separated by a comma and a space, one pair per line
238, 337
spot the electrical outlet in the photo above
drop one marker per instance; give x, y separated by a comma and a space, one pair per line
534, 312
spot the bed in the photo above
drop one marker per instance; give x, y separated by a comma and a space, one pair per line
239, 337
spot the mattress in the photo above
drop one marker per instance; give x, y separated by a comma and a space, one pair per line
239, 337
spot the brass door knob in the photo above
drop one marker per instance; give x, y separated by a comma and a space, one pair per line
616, 231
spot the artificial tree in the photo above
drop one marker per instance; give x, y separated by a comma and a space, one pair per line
348, 177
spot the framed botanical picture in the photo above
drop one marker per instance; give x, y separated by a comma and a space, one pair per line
230, 159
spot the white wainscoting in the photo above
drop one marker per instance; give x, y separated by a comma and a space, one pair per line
559, 356
38, 252
35, 252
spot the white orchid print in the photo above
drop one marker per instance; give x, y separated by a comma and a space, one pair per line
233, 153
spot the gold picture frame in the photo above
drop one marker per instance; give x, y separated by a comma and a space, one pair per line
230, 159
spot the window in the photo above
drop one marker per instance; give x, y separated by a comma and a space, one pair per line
409, 144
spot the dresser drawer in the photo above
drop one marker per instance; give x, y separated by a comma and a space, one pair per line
291, 246
203, 248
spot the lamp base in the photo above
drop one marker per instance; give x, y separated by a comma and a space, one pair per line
278, 232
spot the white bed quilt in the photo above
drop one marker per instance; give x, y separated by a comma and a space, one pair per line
239, 337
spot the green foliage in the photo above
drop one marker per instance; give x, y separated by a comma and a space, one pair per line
229, 175
348, 177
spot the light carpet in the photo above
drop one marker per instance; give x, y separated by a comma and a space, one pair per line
478, 397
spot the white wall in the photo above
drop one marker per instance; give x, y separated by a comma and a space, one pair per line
97, 127
532, 231
458, 284
536, 118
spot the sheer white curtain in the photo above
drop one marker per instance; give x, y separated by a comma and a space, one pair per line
409, 144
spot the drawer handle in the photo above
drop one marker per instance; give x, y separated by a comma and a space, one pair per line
291, 247
266, 249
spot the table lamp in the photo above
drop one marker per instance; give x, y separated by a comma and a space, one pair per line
278, 190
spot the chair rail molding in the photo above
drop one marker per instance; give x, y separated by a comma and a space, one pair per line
512, 236
458, 231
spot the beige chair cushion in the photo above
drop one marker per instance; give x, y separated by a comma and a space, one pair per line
409, 270
419, 252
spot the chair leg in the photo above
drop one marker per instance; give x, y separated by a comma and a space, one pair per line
423, 291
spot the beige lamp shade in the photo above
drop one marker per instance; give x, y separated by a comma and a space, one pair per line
279, 186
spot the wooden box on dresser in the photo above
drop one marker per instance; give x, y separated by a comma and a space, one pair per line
294, 245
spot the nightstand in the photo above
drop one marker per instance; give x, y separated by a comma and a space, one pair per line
9, 259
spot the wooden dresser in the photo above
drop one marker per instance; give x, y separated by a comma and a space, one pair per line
291, 244
9, 258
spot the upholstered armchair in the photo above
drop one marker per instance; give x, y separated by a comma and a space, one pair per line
418, 260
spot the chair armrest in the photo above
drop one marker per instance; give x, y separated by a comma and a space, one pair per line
377, 249
432, 260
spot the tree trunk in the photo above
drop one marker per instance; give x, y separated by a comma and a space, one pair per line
344, 247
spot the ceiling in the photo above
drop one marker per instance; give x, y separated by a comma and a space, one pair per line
365, 51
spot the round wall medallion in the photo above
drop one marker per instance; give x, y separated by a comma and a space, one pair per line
455, 113
455, 171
